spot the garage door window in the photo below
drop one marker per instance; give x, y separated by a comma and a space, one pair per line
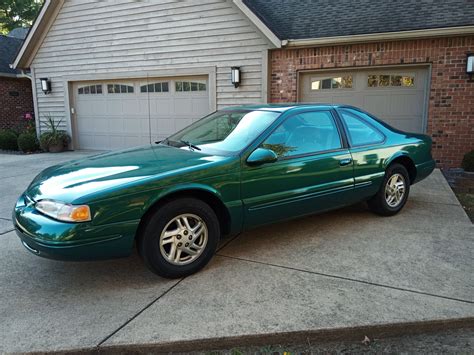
386, 80
359, 132
340, 82
90, 89
155, 87
190, 86
119, 89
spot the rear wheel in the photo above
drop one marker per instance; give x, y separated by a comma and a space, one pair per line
393, 192
179, 238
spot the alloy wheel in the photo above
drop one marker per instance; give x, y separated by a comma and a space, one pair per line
183, 239
395, 190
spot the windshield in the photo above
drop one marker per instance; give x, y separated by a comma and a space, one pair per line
223, 132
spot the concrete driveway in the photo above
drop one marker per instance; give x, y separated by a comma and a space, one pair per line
337, 271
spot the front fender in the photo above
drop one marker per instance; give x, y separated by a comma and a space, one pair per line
167, 191
226, 195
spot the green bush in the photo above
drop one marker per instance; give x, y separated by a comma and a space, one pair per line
8, 140
27, 142
468, 161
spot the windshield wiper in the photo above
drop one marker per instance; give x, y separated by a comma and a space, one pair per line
190, 145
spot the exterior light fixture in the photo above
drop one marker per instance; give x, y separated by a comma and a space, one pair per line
470, 65
45, 85
235, 74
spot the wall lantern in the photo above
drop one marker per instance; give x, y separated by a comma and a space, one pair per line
470, 65
45, 85
235, 71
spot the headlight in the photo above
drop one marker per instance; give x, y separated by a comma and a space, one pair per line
64, 211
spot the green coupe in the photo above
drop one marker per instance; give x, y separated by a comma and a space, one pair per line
230, 171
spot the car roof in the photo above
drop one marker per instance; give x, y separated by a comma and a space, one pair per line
281, 107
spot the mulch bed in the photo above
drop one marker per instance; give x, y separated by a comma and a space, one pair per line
462, 183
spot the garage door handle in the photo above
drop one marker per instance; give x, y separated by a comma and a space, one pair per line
344, 162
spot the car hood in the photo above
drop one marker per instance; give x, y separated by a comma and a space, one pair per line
72, 180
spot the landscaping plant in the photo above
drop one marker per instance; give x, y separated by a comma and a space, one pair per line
468, 161
55, 139
8, 140
27, 142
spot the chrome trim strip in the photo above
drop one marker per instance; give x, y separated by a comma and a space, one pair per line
34, 251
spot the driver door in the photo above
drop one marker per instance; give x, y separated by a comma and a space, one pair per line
313, 173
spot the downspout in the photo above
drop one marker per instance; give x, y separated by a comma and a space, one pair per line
31, 77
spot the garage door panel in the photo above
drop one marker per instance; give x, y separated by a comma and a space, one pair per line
182, 106
163, 125
396, 95
200, 107
161, 107
113, 120
407, 104
406, 124
130, 107
182, 123
115, 125
143, 106
379, 104
114, 107
342, 99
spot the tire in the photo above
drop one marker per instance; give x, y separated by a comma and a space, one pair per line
166, 228
382, 203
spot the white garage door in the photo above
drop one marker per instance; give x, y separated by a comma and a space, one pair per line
120, 114
395, 95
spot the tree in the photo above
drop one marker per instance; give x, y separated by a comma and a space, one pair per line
18, 13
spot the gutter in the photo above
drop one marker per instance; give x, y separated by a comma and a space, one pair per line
23, 75
377, 37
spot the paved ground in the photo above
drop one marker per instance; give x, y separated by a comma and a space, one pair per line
348, 268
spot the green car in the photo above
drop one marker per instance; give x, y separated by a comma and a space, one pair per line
230, 171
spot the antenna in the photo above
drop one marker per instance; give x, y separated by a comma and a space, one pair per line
149, 107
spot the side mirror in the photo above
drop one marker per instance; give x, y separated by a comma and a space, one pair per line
262, 156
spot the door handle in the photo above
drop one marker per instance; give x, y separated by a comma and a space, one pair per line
344, 162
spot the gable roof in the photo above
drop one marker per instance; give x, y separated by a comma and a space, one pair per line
8, 49
317, 22
304, 19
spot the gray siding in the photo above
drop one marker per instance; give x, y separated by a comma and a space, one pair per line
91, 37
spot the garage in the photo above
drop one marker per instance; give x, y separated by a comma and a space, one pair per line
114, 114
396, 95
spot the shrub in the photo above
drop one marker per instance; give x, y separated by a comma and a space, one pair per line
8, 140
468, 161
27, 142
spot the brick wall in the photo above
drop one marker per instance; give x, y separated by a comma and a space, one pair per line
451, 102
12, 107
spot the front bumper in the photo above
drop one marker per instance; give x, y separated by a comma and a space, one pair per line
53, 239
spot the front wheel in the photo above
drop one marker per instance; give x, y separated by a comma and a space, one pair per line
179, 238
393, 192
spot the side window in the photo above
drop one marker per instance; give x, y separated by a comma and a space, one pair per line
309, 132
359, 132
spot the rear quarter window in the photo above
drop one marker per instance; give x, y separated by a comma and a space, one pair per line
358, 130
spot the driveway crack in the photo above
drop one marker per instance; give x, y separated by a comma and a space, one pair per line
8, 231
350, 279
137, 314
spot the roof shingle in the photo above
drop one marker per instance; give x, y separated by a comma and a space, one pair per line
299, 19
9, 46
